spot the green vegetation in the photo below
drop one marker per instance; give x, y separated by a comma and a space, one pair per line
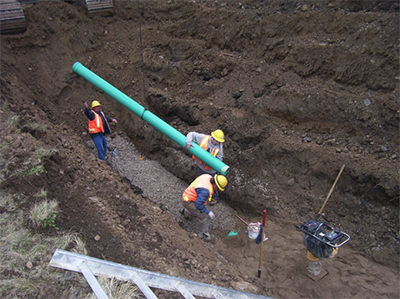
13, 121
35, 162
44, 214
41, 194
50, 221
41, 155
24, 252
37, 170
24, 255
116, 289
36, 127
34, 165
8, 203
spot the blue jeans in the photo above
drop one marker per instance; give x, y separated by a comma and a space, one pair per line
100, 142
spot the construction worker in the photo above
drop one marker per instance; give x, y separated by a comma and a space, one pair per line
211, 143
98, 127
196, 197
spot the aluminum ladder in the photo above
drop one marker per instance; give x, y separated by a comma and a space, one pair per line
91, 267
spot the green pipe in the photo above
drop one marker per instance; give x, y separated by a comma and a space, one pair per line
150, 118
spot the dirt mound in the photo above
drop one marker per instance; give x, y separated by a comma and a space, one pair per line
299, 88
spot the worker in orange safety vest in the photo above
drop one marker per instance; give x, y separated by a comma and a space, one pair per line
213, 144
98, 127
196, 197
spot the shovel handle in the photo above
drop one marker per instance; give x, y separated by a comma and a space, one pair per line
241, 219
330, 192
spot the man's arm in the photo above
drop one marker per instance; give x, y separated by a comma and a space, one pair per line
202, 195
193, 137
89, 113
220, 154
110, 119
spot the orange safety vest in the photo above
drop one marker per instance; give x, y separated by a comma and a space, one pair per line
202, 181
96, 125
204, 145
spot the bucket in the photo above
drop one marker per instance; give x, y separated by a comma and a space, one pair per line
253, 229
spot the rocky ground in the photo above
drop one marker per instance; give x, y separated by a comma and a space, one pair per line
299, 88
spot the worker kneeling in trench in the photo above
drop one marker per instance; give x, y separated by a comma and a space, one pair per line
196, 197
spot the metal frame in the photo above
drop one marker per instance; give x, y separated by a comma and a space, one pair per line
91, 267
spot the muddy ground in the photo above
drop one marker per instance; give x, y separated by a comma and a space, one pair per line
300, 88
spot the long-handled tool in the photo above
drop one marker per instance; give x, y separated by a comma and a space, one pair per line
241, 219
329, 194
320, 239
262, 242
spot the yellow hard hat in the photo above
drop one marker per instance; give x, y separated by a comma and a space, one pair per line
95, 104
220, 181
218, 135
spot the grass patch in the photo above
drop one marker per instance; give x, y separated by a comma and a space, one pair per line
8, 202
35, 127
13, 121
41, 194
41, 155
44, 214
24, 255
35, 162
116, 289
37, 170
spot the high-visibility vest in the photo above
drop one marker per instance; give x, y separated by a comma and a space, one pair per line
96, 125
202, 181
204, 145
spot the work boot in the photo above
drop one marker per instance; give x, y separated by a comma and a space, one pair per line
205, 236
314, 268
212, 202
185, 213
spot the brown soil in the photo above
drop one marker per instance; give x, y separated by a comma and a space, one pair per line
299, 88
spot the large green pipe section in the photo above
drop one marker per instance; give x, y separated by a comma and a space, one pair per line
150, 118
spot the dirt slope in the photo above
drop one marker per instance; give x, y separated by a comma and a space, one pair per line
299, 88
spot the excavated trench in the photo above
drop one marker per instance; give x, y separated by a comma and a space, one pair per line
287, 83
299, 190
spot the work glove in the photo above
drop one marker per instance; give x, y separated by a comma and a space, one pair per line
211, 215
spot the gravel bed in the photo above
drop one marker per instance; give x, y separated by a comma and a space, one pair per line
163, 188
